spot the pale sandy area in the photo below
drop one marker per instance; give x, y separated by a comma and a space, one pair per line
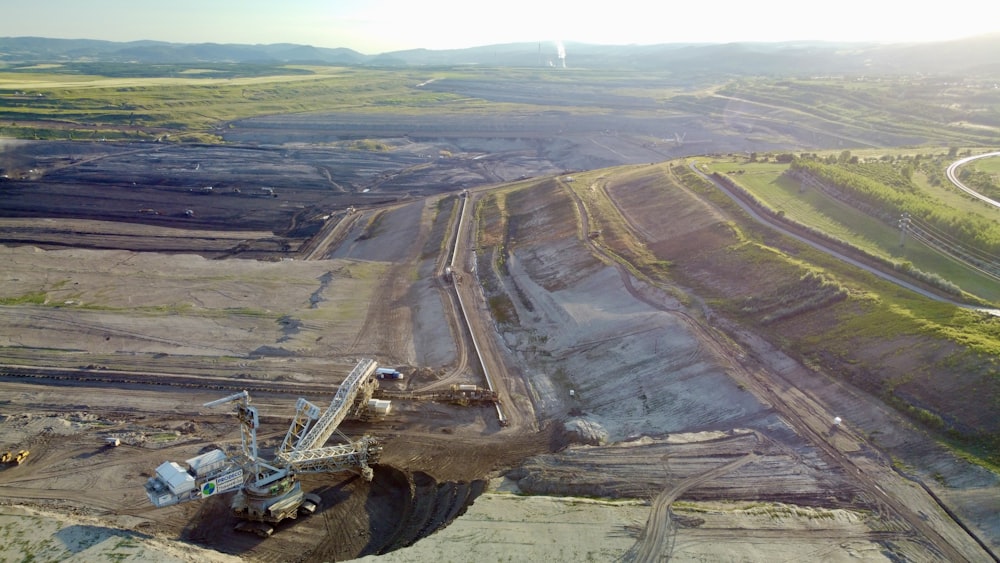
505, 526
28, 534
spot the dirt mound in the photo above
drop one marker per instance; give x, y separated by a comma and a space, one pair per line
638, 469
586, 431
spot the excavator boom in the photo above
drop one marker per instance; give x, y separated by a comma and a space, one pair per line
360, 379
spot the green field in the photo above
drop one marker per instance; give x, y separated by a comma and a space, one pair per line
855, 106
48, 105
814, 208
192, 104
989, 165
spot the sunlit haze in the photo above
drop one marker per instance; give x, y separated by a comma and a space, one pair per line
376, 26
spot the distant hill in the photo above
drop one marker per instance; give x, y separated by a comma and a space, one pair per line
35, 50
974, 55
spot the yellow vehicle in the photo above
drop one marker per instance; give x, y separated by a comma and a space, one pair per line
6, 457
21, 456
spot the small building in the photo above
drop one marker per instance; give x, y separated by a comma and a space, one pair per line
207, 462
175, 477
379, 406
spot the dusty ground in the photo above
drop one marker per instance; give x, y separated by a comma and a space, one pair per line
226, 325
665, 392
676, 439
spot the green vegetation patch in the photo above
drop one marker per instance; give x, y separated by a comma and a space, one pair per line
859, 204
141, 102
132, 70
492, 236
370, 145
891, 201
609, 229
810, 291
983, 176
853, 108
441, 219
33, 298
374, 226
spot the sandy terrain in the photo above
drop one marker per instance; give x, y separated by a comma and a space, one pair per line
31, 534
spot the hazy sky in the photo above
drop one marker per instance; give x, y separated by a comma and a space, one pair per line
376, 26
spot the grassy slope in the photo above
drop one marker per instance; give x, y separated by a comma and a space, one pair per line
194, 108
120, 107
923, 357
900, 110
814, 208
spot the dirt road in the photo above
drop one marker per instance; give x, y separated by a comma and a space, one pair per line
655, 541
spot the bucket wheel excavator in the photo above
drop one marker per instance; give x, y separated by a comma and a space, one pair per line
267, 488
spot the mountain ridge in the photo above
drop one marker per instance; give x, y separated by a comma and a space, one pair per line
969, 55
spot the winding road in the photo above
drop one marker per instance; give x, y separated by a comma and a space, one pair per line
953, 177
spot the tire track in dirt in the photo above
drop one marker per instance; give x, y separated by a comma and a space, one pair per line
386, 327
655, 541
388, 324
